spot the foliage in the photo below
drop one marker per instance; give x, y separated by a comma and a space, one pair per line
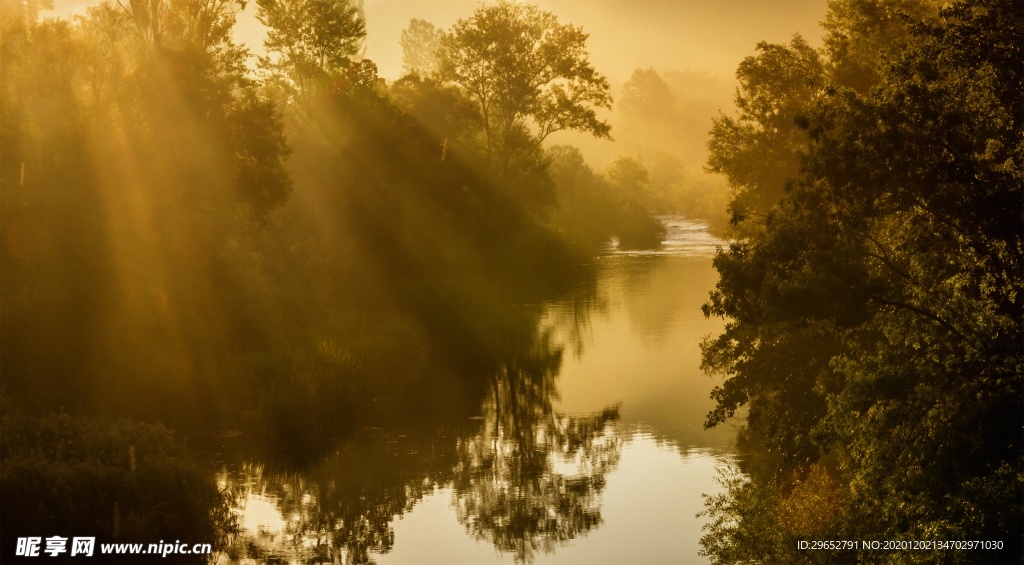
137, 154
446, 113
528, 75
309, 42
857, 32
758, 151
755, 521
630, 182
877, 313
592, 208
420, 43
586, 208
76, 475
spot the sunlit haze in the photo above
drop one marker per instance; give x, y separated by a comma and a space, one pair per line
710, 36
530, 282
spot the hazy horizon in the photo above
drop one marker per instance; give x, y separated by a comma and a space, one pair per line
625, 35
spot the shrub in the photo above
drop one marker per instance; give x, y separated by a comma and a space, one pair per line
115, 479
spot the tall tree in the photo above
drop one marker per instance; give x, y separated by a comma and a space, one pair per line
646, 109
529, 75
758, 150
420, 42
310, 41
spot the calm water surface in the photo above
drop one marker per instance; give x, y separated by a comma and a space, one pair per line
589, 446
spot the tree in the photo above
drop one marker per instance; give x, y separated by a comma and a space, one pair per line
420, 42
857, 32
310, 41
878, 313
529, 76
758, 151
647, 114
137, 144
630, 178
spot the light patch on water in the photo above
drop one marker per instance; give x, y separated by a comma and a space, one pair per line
649, 514
685, 237
432, 534
650, 506
260, 514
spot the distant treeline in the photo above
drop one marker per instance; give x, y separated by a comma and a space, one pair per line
873, 291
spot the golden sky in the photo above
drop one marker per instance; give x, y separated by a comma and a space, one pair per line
711, 36
704, 35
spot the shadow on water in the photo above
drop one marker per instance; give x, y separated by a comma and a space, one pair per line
524, 470
525, 477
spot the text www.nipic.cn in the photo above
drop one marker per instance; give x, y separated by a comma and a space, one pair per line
85, 547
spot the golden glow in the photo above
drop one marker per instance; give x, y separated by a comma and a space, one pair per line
712, 36
704, 35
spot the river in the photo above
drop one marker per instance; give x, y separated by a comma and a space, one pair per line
589, 446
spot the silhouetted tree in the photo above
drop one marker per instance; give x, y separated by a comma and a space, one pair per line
758, 151
309, 42
529, 76
420, 43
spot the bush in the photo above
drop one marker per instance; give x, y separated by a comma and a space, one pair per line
638, 229
110, 478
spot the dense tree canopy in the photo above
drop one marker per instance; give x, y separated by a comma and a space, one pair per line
877, 314
758, 151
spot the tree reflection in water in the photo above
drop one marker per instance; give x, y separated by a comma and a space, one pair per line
524, 477
341, 509
532, 478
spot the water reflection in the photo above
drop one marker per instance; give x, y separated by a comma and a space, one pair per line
524, 477
524, 480
531, 479
339, 510
643, 348
605, 444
